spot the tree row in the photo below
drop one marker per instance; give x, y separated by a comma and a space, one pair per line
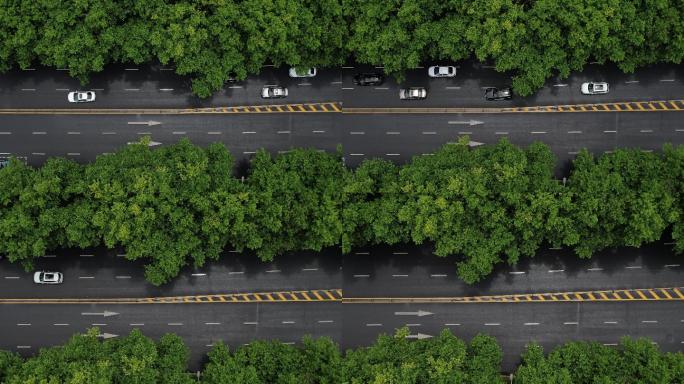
444, 359
182, 205
212, 40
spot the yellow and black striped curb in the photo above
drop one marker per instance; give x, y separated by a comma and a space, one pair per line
645, 294
633, 106
315, 295
284, 108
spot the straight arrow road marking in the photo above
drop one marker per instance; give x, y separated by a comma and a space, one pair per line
419, 313
105, 313
107, 335
467, 122
418, 336
148, 123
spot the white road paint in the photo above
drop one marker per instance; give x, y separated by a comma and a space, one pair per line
492, 324
178, 132
374, 325
109, 133
250, 323
23, 346
646, 131
438, 275
73, 153
39, 133
531, 323
132, 89
361, 275
5, 133
556, 270
86, 277
212, 323
594, 269
400, 253
122, 277
28, 89
631, 81
538, 132
304, 84
400, 275
175, 324
609, 344
73, 133
317, 131
23, 324
429, 133
325, 321
165, 89
671, 265
413, 325
633, 267
649, 321
516, 272
362, 253
136, 324
213, 133
198, 274
570, 323
666, 80
38, 153
609, 131
452, 324
309, 269
287, 322
610, 322
501, 133
273, 271
248, 152
236, 273
357, 133
98, 325
248, 132
574, 132
392, 133
86, 255
347, 88
60, 324
283, 132
11, 277
356, 154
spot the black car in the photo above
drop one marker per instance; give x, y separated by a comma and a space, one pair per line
368, 79
495, 94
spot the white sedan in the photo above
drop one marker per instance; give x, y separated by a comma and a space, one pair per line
273, 92
309, 72
81, 96
593, 88
445, 71
415, 93
43, 277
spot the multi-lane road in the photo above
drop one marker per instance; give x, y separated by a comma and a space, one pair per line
209, 312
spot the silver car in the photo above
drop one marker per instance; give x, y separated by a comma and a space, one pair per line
414, 93
81, 97
442, 71
594, 88
273, 92
43, 277
309, 72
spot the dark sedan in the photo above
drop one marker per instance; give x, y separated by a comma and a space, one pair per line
496, 94
364, 79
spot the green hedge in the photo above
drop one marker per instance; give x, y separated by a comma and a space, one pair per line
444, 359
210, 40
181, 205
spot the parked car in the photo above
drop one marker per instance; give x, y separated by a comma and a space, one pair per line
81, 96
309, 72
414, 93
368, 79
273, 92
442, 71
43, 277
594, 88
496, 94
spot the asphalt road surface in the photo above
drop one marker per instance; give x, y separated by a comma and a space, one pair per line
123, 86
398, 271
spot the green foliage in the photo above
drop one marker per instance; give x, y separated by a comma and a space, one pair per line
633, 361
298, 199
621, 199
211, 40
85, 359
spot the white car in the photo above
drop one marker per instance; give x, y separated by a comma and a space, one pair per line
43, 277
415, 93
593, 88
445, 71
309, 72
273, 92
81, 96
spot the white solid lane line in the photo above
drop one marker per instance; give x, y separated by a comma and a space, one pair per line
610, 322
287, 322
357, 133
413, 325
122, 277
570, 323
325, 321
23, 324
39, 133
574, 132
374, 325
250, 323
86, 277
212, 323
452, 324
309, 269
60, 324
73, 133
438, 275
12, 277
492, 324
178, 133
273, 271
361, 275
400, 253
531, 323
517, 272
198, 274
633, 267
555, 270
174, 324
650, 321
317, 131
5, 133
213, 133
594, 269
109, 133
399, 275
236, 273
98, 324
136, 324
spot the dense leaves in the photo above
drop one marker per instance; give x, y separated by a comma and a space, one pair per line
212, 40
633, 361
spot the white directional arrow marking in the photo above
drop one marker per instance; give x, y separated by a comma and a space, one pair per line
467, 122
419, 336
107, 335
420, 313
105, 313
148, 123
150, 144
474, 143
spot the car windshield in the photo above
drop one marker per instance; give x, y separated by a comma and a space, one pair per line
591, 87
49, 276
